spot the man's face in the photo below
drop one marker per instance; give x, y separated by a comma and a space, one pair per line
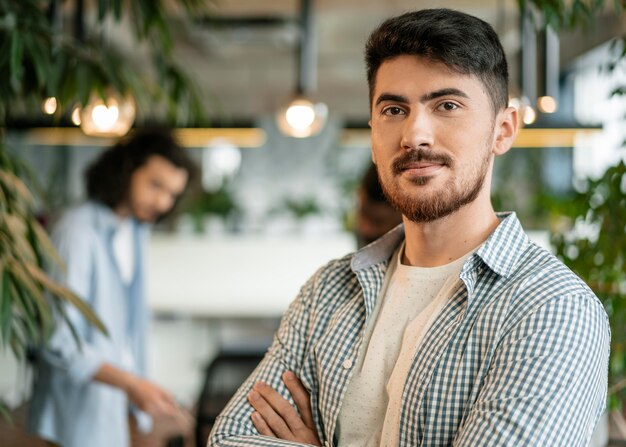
433, 137
154, 188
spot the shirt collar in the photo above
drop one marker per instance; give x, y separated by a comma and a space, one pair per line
105, 218
378, 251
500, 252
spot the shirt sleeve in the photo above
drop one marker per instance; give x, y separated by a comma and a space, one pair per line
547, 384
233, 426
80, 361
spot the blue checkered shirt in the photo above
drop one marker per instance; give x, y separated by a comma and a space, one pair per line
517, 357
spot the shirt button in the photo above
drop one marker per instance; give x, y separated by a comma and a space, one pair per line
347, 364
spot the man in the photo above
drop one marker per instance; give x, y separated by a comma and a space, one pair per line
455, 328
82, 390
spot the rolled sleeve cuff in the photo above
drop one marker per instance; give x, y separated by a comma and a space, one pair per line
84, 366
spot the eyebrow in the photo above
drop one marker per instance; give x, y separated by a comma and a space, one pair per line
426, 97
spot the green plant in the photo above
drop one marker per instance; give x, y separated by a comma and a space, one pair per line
39, 59
589, 235
27, 315
301, 208
204, 203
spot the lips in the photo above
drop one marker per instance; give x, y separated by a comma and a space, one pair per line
421, 162
422, 165
422, 169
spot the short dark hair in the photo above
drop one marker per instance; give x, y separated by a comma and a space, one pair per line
466, 44
108, 178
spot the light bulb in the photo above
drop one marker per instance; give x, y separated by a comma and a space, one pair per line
76, 116
302, 118
547, 104
104, 117
529, 115
50, 105
111, 117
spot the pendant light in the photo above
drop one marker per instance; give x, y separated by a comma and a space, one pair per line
112, 116
108, 115
548, 101
303, 116
529, 67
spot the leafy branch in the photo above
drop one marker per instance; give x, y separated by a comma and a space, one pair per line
589, 237
37, 60
26, 313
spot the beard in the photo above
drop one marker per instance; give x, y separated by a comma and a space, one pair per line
421, 208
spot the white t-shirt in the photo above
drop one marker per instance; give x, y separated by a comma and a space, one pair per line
409, 301
124, 250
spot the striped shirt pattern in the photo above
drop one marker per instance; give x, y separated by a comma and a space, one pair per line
517, 357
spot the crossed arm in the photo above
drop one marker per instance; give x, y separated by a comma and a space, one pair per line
275, 417
537, 392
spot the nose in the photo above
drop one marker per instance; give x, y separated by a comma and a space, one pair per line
164, 202
417, 131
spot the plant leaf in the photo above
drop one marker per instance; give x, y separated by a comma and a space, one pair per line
5, 306
15, 61
18, 242
4, 411
22, 303
40, 308
45, 245
17, 186
67, 295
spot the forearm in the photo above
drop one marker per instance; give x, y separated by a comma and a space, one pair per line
245, 441
234, 426
116, 377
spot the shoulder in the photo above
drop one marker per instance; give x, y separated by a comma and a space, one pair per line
75, 224
334, 272
541, 279
539, 268
329, 281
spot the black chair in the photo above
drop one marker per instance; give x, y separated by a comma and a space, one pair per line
222, 378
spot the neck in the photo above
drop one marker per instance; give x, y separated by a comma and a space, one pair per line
122, 212
440, 242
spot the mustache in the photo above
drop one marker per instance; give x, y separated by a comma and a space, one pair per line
404, 161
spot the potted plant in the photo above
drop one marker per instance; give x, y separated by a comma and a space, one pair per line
202, 204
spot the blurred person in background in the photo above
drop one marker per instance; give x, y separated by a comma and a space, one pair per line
83, 390
375, 216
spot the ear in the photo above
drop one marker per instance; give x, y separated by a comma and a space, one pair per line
506, 130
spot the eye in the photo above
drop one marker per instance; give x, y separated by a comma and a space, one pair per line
156, 184
392, 111
448, 106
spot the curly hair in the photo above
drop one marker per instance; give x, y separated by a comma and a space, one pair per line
108, 178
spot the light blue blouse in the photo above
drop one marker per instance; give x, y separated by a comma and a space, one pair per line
67, 407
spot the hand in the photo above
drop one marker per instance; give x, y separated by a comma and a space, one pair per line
151, 398
274, 415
